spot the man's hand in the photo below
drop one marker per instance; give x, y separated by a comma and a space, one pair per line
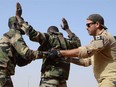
65, 24
54, 54
18, 10
19, 13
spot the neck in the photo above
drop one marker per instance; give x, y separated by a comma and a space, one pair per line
98, 32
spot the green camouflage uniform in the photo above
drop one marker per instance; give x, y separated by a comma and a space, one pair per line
54, 73
13, 51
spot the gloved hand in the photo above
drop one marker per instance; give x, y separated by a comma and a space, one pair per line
54, 55
65, 24
50, 55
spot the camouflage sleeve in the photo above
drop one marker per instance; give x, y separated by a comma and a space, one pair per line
20, 61
37, 36
95, 46
34, 35
22, 49
75, 41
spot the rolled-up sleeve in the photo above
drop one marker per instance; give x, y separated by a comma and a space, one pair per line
83, 52
94, 47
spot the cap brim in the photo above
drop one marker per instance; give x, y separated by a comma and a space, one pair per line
104, 26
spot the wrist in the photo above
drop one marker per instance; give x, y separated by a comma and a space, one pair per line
71, 36
20, 20
59, 53
25, 27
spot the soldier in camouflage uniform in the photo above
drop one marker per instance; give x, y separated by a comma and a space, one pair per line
54, 73
14, 51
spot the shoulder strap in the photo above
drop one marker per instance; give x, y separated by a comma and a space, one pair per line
46, 45
62, 41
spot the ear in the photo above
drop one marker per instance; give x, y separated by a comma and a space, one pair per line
98, 24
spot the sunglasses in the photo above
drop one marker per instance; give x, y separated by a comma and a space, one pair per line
88, 24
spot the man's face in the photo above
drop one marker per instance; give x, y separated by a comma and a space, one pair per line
91, 27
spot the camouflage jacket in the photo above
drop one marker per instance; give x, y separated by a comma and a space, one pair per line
14, 51
47, 42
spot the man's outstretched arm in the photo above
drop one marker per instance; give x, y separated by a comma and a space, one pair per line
81, 62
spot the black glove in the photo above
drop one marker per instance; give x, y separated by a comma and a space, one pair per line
54, 55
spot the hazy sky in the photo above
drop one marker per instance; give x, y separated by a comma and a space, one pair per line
43, 13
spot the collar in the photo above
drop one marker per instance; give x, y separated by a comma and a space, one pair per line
98, 37
101, 31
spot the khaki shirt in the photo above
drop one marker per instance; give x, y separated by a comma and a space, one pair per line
103, 52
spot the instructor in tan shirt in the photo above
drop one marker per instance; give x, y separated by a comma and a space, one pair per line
102, 49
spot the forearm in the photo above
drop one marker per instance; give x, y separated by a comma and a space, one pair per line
75, 41
70, 53
35, 54
34, 35
28, 29
22, 49
29, 54
81, 62
70, 34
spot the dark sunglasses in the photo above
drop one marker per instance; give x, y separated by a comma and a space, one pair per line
88, 24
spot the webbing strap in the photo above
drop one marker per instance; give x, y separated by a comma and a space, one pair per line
62, 42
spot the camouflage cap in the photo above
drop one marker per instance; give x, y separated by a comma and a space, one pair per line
97, 18
12, 20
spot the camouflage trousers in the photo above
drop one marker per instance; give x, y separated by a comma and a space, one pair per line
6, 82
48, 82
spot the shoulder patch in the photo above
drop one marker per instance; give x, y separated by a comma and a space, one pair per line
98, 38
